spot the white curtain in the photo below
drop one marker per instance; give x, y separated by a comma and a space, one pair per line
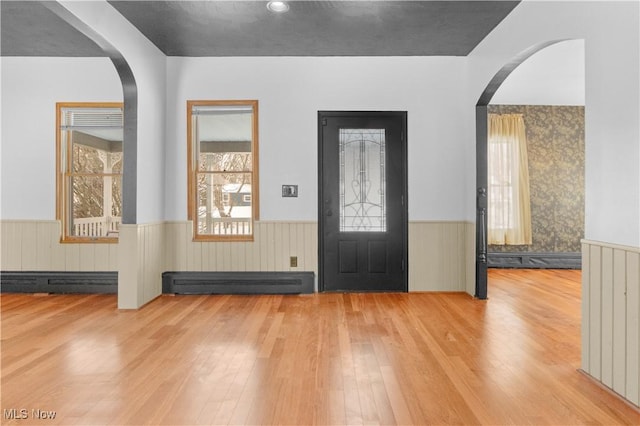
509, 212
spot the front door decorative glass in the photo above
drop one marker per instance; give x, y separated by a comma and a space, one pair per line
362, 180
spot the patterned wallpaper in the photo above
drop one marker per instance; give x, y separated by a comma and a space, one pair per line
555, 138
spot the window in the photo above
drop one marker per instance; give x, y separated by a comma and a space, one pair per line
509, 215
89, 171
223, 169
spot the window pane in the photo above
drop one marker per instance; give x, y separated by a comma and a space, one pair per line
116, 194
224, 203
362, 180
116, 164
87, 196
92, 196
501, 172
91, 154
86, 160
224, 136
87, 206
225, 162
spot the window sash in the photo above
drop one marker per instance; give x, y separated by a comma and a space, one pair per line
101, 125
219, 143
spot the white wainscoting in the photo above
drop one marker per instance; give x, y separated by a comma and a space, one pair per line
273, 245
141, 264
29, 245
441, 254
610, 309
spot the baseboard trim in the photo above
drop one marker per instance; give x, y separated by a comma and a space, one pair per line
58, 282
237, 282
530, 260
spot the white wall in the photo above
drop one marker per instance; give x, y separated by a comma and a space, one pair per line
30, 89
612, 111
553, 76
292, 90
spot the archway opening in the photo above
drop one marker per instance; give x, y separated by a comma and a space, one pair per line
526, 78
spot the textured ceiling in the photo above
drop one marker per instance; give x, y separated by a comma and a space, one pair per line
30, 29
247, 28
316, 28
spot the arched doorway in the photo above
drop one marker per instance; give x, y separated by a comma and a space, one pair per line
481, 263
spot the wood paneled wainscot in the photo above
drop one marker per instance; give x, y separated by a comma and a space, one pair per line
441, 254
141, 263
34, 245
610, 307
273, 245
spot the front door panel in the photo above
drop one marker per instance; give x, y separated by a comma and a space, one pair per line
362, 209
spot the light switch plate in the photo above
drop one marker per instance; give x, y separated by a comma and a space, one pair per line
289, 190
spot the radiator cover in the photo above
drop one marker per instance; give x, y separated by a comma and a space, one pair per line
238, 282
534, 260
58, 282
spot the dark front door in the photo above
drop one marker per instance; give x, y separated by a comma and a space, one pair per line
362, 201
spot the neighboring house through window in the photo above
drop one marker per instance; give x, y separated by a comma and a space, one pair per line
223, 169
89, 171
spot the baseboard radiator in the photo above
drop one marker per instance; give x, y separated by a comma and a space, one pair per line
58, 282
530, 260
237, 282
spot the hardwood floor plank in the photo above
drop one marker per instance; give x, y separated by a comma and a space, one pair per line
326, 359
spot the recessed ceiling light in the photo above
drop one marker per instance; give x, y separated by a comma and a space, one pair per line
278, 6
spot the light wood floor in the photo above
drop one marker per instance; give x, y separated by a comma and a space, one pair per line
418, 358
